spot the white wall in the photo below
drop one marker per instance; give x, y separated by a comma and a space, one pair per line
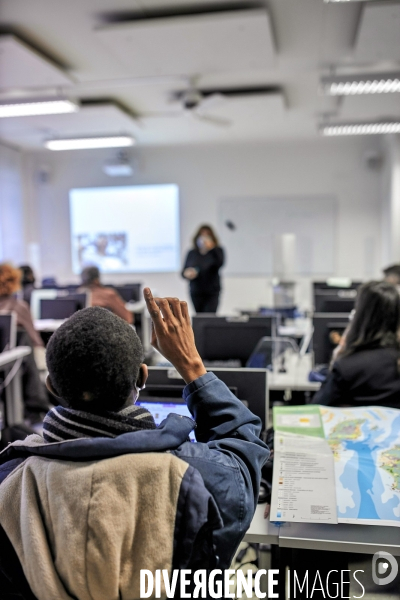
391, 200
12, 243
205, 174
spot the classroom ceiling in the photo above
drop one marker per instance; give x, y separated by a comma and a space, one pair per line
192, 71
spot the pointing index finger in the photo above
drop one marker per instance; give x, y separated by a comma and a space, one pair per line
152, 307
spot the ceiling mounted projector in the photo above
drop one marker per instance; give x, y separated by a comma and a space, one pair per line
121, 166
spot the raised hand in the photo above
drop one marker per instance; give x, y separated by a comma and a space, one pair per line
172, 335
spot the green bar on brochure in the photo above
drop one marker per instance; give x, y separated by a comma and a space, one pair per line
299, 420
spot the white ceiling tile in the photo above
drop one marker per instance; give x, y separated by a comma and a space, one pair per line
374, 106
379, 33
186, 45
22, 67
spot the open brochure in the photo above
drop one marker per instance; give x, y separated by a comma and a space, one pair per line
363, 466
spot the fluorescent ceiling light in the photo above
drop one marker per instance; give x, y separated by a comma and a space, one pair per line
114, 141
369, 83
327, 1
48, 106
360, 128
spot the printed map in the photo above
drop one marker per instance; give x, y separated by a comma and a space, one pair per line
366, 447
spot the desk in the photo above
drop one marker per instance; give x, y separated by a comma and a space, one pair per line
262, 531
48, 325
138, 308
13, 392
296, 376
343, 537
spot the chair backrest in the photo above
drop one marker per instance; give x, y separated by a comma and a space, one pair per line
8, 330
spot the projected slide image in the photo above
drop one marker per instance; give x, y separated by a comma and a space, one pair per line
132, 229
104, 250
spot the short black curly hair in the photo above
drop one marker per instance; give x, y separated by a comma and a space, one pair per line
95, 352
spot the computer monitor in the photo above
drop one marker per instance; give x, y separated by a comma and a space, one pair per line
130, 292
69, 288
327, 328
8, 330
62, 307
164, 385
332, 299
160, 407
230, 338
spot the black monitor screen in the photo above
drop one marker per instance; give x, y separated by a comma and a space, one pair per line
161, 407
335, 305
328, 330
222, 339
59, 308
330, 299
249, 385
129, 292
5, 332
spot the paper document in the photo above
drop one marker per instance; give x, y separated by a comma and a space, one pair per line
303, 486
364, 444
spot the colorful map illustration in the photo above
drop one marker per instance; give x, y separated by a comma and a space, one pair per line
366, 446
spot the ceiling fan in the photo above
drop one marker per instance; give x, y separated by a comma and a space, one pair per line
198, 103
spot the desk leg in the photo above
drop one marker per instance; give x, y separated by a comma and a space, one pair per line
281, 559
14, 400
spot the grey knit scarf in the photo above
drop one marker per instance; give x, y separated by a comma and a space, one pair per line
62, 423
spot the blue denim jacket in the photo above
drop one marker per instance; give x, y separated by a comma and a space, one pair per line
229, 453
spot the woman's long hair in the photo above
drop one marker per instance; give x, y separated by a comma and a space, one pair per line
210, 232
376, 322
10, 279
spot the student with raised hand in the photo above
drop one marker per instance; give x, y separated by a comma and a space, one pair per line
366, 367
105, 492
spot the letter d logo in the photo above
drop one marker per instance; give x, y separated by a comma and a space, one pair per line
380, 566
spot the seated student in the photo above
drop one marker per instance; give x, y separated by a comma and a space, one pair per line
392, 274
104, 296
10, 283
34, 392
27, 282
366, 367
106, 493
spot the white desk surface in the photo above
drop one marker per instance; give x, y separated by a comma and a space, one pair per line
294, 330
47, 324
296, 376
261, 530
136, 307
9, 356
343, 537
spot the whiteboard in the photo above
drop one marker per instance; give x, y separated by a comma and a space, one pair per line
252, 229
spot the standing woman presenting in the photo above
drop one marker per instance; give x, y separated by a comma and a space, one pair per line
202, 267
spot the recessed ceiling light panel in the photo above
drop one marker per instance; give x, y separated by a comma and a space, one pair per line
328, 1
373, 128
115, 141
369, 83
31, 107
